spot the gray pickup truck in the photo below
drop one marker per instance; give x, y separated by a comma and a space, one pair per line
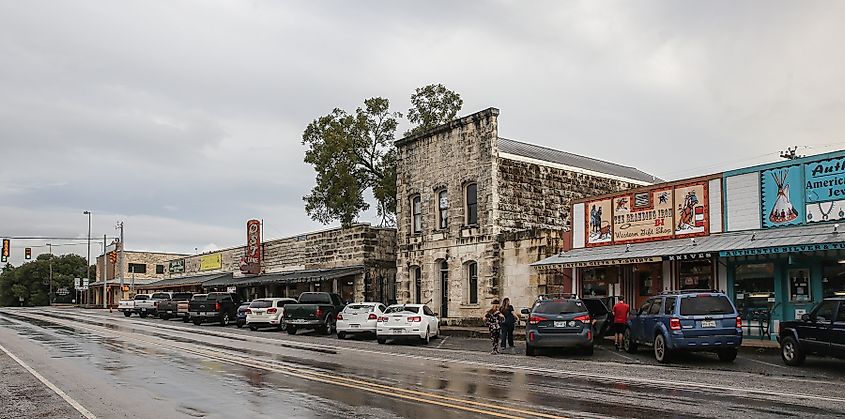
168, 308
313, 310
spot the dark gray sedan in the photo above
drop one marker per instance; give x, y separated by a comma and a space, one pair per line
558, 323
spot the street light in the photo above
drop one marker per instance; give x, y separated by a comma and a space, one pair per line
50, 293
88, 266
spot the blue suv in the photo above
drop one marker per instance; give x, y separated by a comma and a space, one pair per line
690, 320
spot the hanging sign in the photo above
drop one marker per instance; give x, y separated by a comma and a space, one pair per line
251, 262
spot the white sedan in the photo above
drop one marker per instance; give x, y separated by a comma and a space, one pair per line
408, 320
358, 318
267, 312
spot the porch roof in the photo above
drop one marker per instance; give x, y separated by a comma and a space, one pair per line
184, 281
299, 276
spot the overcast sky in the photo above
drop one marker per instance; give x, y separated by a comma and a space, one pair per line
184, 118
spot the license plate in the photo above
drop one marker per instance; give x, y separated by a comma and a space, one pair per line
560, 324
353, 326
143, 309
708, 323
398, 330
169, 311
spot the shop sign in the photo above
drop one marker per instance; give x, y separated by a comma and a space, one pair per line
211, 262
606, 262
176, 266
825, 190
689, 256
780, 196
251, 262
633, 224
231, 290
783, 249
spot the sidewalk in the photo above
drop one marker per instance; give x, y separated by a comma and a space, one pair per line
519, 334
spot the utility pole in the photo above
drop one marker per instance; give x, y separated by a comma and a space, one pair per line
105, 274
50, 293
88, 267
120, 256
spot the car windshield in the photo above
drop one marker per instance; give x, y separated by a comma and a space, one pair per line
161, 296
199, 297
358, 308
261, 304
314, 298
560, 307
402, 309
182, 296
702, 304
142, 297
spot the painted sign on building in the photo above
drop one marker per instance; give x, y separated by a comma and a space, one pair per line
690, 209
251, 262
599, 220
632, 223
176, 266
781, 197
825, 190
211, 262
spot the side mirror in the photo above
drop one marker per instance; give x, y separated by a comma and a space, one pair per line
436, 314
525, 311
805, 317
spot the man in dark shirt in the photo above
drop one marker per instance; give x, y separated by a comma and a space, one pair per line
620, 318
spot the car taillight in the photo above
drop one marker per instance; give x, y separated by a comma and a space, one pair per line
382, 319
372, 317
271, 310
589, 335
155, 304
536, 319
531, 336
339, 316
739, 322
319, 312
248, 311
583, 319
675, 324
216, 306
414, 319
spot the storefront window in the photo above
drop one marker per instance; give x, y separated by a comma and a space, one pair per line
754, 285
833, 281
695, 274
596, 282
799, 285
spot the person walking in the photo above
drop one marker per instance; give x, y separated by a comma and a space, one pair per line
509, 323
493, 319
620, 319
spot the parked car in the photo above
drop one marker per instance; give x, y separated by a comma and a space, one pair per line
600, 314
240, 317
267, 312
690, 320
127, 307
820, 332
562, 322
216, 306
359, 318
407, 321
313, 310
182, 307
170, 307
149, 306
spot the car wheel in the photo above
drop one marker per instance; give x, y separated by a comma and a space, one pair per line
143, 315
164, 316
530, 351
382, 341
727, 355
661, 352
291, 330
791, 352
341, 335
186, 319
127, 313
629, 343
253, 328
588, 350
197, 322
283, 327
240, 325
224, 321
427, 337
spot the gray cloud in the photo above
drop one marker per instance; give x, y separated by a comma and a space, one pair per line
184, 118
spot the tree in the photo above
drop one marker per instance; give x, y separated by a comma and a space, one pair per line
431, 106
354, 153
32, 279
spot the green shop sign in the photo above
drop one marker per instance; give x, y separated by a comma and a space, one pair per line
177, 266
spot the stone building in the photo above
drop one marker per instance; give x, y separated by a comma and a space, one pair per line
358, 262
475, 210
138, 268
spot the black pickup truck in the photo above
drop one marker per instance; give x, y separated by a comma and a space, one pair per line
215, 307
313, 310
168, 308
820, 332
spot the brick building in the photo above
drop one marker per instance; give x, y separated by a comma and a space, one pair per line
139, 268
475, 210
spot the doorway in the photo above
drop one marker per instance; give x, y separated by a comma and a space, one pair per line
444, 289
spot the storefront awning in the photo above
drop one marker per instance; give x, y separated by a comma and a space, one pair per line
799, 239
186, 281
298, 276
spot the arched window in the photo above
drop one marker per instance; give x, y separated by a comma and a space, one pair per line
471, 204
444, 289
416, 214
417, 278
472, 279
442, 209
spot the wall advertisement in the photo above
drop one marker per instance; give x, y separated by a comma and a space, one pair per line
176, 266
657, 214
825, 187
781, 197
211, 262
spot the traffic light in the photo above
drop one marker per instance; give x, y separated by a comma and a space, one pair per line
27, 252
7, 244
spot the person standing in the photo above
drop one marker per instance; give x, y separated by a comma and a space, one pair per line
509, 323
493, 320
620, 319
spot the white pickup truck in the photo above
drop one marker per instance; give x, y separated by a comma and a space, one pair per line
127, 307
149, 306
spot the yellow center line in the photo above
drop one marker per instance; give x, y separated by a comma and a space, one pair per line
389, 391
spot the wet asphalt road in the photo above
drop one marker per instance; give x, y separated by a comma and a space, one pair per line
132, 367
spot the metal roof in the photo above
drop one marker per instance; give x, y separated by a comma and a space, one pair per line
187, 280
817, 234
568, 159
126, 281
299, 276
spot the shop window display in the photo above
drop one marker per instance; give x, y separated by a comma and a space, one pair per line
695, 274
596, 282
833, 281
754, 285
799, 285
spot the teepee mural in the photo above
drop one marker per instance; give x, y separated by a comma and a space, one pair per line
782, 211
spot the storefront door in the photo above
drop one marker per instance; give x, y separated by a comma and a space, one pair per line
648, 279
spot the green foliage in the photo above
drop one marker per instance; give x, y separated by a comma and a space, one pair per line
32, 279
431, 106
353, 152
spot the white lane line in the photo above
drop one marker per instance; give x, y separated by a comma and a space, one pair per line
442, 341
79, 408
764, 363
618, 354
